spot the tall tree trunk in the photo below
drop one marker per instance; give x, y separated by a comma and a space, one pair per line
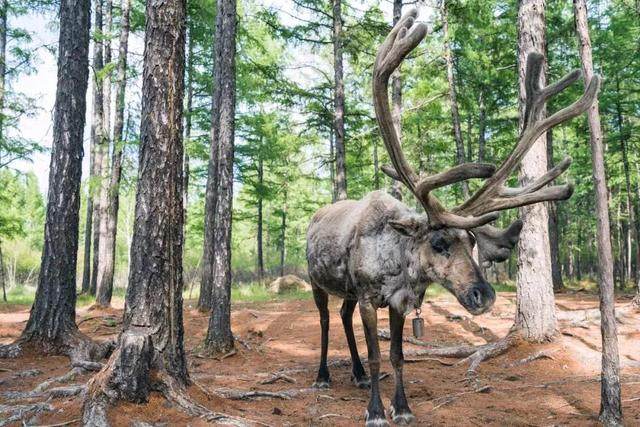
260, 220
106, 265
150, 352
610, 403
396, 100
219, 337
633, 223
453, 96
535, 305
211, 191
338, 100
97, 137
102, 199
332, 166
51, 324
283, 234
3, 61
3, 277
482, 127
554, 247
188, 120
376, 166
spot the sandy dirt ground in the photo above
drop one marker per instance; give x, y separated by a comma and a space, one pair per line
561, 388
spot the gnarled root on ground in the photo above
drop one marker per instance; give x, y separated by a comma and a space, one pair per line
471, 354
133, 371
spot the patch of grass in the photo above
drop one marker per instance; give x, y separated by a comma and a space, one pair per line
20, 295
256, 292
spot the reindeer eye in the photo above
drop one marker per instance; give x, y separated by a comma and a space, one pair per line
440, 244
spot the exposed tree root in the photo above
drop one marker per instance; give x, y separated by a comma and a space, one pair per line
386, 335
474, 355
132, 372
10, 351
234, 394
13, 413
52, 393
537, 355
22, 374
176, 394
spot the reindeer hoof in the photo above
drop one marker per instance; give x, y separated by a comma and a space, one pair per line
402, 417
321, 384
362, 382
375, 420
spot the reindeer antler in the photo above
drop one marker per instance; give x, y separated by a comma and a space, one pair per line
402, 39
483, 206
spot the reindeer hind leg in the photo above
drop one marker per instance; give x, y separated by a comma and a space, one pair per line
321, 299
358, 374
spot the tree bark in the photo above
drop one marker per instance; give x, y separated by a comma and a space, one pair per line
97, 137
51, 324
259, 237
633, 224
188, 120
3, 61
150, 353
610, 403
482, 127
453, 96
106, 265
535, 305
3, 277
283, 234
211, 192
338, 99
396, 100
219, 337
101, 254
554, 247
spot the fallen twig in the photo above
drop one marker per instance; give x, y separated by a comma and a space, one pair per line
277, 377
538, 355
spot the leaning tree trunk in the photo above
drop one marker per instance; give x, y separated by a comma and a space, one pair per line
219, 338
396, 100
51, 326
535, 311
610, 403
97, 138
150, 353
338, 99
453, 96
106, 265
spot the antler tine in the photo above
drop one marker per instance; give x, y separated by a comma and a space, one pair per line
402, 39
493, 196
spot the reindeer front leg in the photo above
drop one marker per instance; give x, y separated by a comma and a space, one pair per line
400, 412
374, 416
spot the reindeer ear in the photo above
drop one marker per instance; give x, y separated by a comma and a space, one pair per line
406, 226
495, 245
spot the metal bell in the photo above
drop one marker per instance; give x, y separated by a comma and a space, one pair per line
418, 327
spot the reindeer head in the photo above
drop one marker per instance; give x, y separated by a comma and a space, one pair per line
445, 238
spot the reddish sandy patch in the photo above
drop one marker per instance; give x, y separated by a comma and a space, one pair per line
284, 336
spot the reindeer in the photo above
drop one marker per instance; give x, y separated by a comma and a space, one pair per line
377, 252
